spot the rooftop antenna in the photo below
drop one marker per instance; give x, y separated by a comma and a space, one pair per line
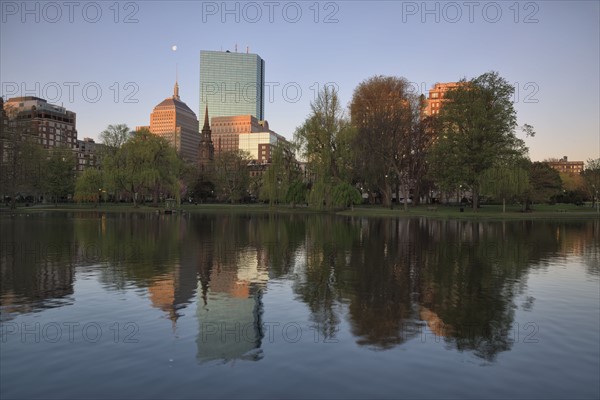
236, 47
247, 49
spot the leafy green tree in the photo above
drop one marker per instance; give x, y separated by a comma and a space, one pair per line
60, 173
115, 136
545, 183
231, 176
324, 141
296, 193
145, 164
89, 186
478, 123
279, 175
591, 177
505, 181
346, 195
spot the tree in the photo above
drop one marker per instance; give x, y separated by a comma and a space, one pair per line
60, 178
89, 186
145, 164
296, 193
115, 136
545, 183
591, 177
324, 142
280, 174
231, 175
505, 181
346, 195
385, 112
478, 124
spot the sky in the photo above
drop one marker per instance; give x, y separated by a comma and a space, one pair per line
112, 62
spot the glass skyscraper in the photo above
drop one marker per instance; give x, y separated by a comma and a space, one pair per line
232, 84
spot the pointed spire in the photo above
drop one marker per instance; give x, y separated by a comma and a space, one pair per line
206, 124
176, 91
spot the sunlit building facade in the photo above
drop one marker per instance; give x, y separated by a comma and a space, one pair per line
246, 133
173, 120
436, 97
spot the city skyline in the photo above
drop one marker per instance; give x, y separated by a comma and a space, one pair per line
549, 50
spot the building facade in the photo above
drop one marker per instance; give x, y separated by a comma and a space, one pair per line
246, 133
50, 125
565, 166
173, 120
88, 154
232, 84
436, 97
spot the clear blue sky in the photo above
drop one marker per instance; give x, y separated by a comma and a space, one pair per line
548, 49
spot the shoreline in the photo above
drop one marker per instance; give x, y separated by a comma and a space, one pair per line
486, 212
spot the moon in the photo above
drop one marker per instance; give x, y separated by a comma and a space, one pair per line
174, 47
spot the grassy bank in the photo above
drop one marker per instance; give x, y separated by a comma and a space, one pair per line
440, 211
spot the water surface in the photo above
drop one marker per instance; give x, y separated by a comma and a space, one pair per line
97, 305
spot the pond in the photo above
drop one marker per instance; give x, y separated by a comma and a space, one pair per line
136, 305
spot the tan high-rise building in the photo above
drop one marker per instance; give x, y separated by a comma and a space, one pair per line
173, 120
436, 97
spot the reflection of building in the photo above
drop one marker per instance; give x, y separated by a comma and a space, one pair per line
173, 291
34, 275
230, 310
436, 97
232, 84
173, 120
434, 322
51, 125
566, 166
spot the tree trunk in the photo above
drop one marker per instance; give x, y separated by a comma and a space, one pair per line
503, 205
155, 197
475, 199
405, 187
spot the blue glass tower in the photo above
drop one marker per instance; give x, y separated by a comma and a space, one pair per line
232, 84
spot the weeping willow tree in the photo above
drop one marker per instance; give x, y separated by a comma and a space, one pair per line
324, 141
504, 182
144, 164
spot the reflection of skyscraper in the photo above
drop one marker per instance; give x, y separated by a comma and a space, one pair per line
232, 84
230, 311
173, 291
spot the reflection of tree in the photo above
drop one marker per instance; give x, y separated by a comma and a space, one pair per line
460, 277
469, 281
380, 309
36, 267
329, 241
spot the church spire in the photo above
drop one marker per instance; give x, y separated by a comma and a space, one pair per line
176, 91
206, 126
